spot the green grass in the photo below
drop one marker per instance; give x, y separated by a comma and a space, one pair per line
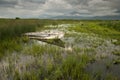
14, 28
25, 60
116, 53
116, 61
106, 31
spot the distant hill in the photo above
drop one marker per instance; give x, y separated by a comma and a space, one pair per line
87, 18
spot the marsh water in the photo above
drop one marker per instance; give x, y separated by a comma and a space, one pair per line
48, 56
105, 61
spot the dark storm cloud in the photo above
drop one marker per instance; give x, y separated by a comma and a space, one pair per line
78, 2
38, 1
22, 3
95, 7
5, 3
43, 8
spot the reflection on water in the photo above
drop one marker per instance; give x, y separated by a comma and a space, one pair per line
57, 42
104, 67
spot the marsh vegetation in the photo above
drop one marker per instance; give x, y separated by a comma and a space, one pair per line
92, 50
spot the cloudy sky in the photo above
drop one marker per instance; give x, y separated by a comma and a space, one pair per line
53, 8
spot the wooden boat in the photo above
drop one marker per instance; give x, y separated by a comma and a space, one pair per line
47, 34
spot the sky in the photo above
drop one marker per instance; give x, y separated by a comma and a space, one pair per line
57, 8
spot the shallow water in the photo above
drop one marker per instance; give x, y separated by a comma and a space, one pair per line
92, 44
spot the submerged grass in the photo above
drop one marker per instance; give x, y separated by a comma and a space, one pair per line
45, 67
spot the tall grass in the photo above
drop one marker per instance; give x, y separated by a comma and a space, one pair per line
11, 32
14, 28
